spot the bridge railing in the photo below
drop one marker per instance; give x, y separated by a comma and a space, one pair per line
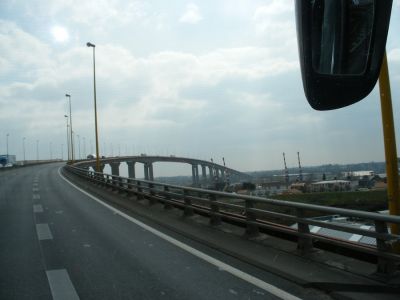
254, 215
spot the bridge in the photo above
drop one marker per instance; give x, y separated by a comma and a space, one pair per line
72, 233
210, 172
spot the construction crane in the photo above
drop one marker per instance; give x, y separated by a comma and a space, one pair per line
286, 171
300, 169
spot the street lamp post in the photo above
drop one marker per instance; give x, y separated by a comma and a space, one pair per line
73, 142
84, 147
95, 106
70, 124
23, 147
68, 143
51, 150
79, 146
37, 150
7, 135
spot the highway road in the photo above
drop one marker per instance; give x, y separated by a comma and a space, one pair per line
59, 243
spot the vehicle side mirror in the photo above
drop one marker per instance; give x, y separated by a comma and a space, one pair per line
341, 46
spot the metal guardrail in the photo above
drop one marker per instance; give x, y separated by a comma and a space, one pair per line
243, 210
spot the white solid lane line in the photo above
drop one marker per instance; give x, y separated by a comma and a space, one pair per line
61, 286
43, 232
219, 264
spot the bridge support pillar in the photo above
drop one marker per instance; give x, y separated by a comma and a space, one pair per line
131, 169
195, 175
222, 174
151, 174
203, 174
146, 171
115, 168
211, 171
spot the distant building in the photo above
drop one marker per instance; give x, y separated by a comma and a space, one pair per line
331, 186
268, 188
379, 185
358, 174
298, 186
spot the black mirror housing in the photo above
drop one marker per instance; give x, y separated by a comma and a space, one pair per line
341, 46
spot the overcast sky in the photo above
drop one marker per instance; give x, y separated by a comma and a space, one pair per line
204, 79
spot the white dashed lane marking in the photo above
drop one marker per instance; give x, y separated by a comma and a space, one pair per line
61, 285
43, 232
37, 208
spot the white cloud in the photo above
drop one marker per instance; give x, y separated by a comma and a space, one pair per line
146, 93
191, 15
256, 101
20, 49
275, 23
90, 12
394, 55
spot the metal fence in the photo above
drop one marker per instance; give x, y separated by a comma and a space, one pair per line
245, 210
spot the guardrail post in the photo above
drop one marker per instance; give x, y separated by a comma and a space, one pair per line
385, 266
167, 197
304, 243
86, 171
113, 183
152, 201
108, 180
103, 179
251, 229
100, 179
215, 218
139, 190
95, 178
91, 176
120, 185
129, 191
188, 209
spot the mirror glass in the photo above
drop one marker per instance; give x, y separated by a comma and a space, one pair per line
341, 35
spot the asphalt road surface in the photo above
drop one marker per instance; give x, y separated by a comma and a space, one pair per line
56, 242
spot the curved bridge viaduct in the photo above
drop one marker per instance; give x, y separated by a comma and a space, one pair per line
210, 172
